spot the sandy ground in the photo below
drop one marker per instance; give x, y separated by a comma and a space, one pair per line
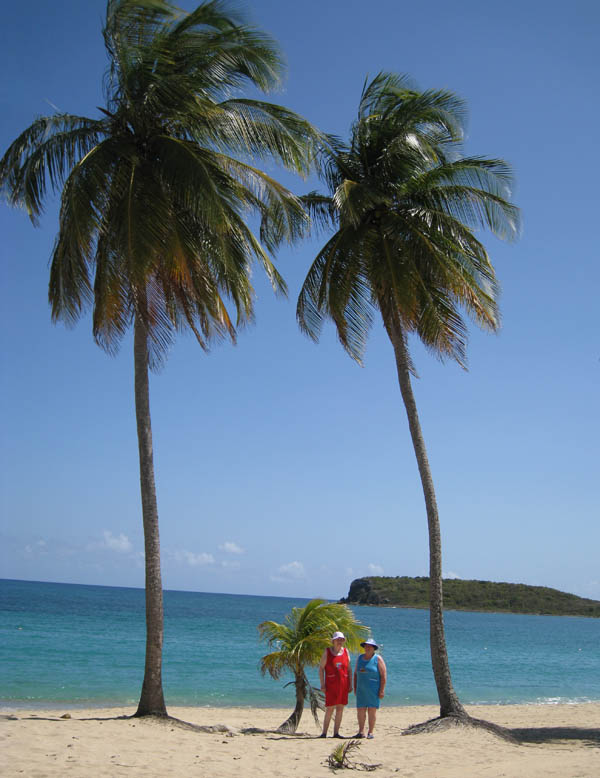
554, 740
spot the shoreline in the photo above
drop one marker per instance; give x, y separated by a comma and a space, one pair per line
560, 740
49, 706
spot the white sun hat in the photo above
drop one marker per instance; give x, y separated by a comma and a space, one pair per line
337, 635
370, 642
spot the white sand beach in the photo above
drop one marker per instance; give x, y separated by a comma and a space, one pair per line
561, 741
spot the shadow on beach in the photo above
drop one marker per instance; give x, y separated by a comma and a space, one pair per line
541, 735
161, 720
33, 717
589, 737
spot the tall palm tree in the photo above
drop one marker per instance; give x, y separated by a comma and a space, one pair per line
404, 203
300, 642
154, 195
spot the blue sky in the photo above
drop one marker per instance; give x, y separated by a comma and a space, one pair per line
282, 467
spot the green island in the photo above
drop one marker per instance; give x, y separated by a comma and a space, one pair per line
486, 596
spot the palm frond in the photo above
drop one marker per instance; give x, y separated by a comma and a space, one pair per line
316, 701
266, 130
45, 153
337, 286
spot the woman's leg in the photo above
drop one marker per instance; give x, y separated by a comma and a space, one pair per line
372, 718
339, 712
361, 715
327, 719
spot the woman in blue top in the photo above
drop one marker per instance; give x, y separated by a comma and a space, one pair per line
370, 676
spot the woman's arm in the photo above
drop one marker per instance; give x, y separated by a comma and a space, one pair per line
383, 676
349, 672
322, 664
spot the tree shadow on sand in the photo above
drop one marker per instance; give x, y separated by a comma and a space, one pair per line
161, 720
540, 735
33, 717
519, 735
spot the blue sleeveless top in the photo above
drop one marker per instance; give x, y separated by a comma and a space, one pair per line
368, 682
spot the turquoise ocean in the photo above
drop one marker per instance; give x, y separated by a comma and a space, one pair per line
67, 645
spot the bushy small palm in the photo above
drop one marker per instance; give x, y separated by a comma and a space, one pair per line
404, 204
299, 643
154, 198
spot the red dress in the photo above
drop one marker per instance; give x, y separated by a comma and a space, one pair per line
337, 678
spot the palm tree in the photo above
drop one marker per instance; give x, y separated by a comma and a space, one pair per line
300, 642
154, 195
404, 203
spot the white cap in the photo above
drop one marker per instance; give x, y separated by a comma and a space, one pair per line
337, 635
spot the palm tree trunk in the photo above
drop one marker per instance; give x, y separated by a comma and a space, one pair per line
151, 700
449, 702
291, 724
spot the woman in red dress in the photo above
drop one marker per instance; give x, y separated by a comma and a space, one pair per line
336, 681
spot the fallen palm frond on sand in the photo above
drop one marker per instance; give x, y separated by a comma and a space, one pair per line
339, 758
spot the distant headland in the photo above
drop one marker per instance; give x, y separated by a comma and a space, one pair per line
485, 596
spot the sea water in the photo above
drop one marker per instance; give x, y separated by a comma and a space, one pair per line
73, 645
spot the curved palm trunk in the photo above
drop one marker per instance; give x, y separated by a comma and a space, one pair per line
291, 724
449, 702
151, 700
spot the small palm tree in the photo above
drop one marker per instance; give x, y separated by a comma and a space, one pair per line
300, 641
404, 204
155, 193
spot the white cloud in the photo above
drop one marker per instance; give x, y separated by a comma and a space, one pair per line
119, 543
139, 558
293, 571
194, 560
39, 547
375, 569
231, 547
450, 574
235, 565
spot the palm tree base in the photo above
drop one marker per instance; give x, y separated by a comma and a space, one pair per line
290, 726
157, 714
450, 720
